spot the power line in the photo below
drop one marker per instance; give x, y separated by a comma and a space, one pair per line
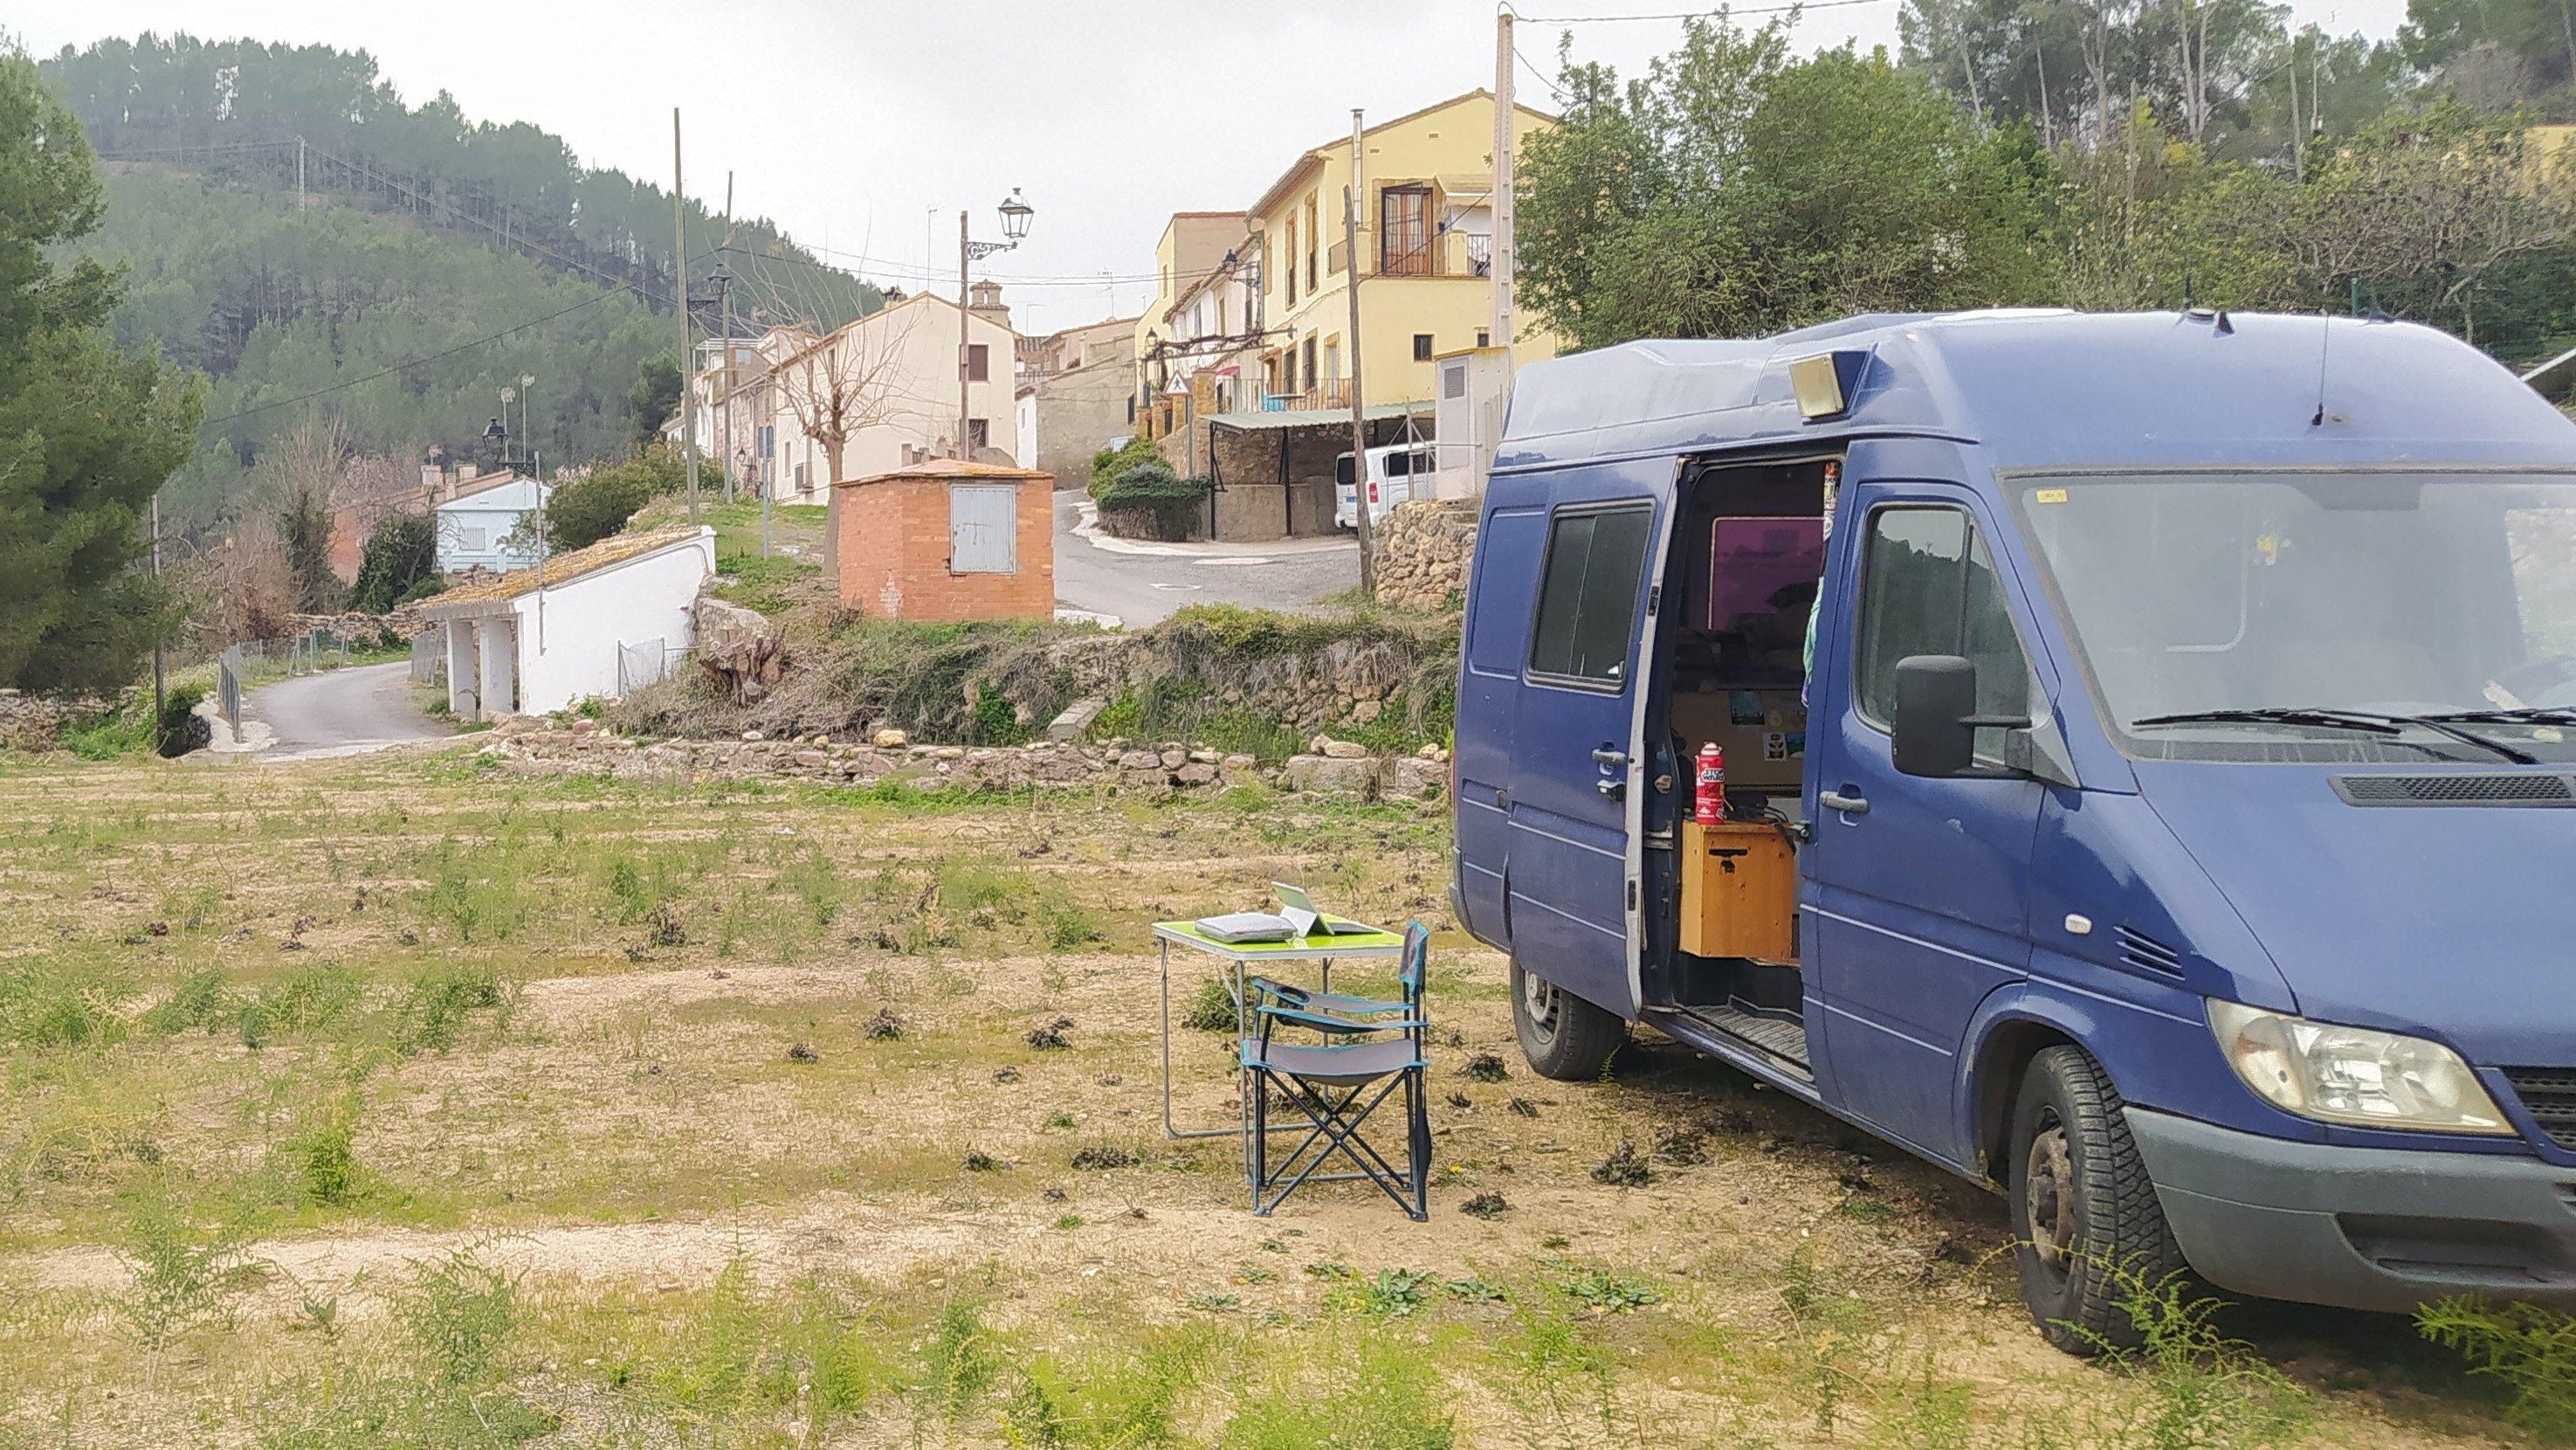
1723, 10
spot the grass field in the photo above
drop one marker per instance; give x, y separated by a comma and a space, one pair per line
395, 1101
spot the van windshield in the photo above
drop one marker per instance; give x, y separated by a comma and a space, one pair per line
2331, 617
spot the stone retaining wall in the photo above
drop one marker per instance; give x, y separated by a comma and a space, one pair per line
1422, 553
536, 745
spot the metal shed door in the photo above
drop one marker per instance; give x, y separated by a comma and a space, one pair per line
983, 528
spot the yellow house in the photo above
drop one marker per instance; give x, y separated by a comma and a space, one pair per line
1193, 247
1425, 234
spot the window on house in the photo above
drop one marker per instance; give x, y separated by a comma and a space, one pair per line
1332, 362
1484, 338
1587, 598
1310, 362
983, 527
979, 363
1422, 347
1404, 231
801, 485
1131, 410
1290, 271
979, 434
471, 538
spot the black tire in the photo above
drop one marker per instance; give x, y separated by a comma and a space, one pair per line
1562, 1036
2092, 1233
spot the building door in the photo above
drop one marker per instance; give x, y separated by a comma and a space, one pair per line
1917, 889
983, 528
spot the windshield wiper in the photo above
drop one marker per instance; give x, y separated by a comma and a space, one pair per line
2520, 715
2368, 722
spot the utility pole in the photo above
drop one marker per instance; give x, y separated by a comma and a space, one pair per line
299, 174
680, 283
724, 306
1353, 197
159, 679
965, 255
1499, 268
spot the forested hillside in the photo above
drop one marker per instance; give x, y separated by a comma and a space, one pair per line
428, 262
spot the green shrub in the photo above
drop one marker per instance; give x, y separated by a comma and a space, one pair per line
199, 999
401, 555
1108, 463
323, 1156
587, 510
431, 1014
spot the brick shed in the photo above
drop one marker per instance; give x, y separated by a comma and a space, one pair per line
948, 540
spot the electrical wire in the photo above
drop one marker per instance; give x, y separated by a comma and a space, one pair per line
1692, 14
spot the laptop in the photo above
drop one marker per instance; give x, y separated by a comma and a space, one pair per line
1248, 926
1299, 908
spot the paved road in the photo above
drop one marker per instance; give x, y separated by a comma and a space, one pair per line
340, 712
1139, 584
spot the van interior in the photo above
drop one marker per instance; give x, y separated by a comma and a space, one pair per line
1746, 561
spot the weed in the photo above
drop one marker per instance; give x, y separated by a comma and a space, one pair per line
1523, 1107
1485, 1067
1057, 1122
308, 999
322, 1156
1682, 1147
1389, 1293
430, 1015
1051, 1037
1333, 1270
198, 999
1068, 1220
1214, 1301
460, 1313
2528, 1348
883, 1027
1212, 1008
961, 1360
979, 1161
1474, 1289
183, 1275
1363, 1388
1484, 1205
1624, 1168
1939, 1414
1103, 1156
1067, 925
2203, 1387
1604, 1292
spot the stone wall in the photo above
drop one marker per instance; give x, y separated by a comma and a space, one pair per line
1422, 553
536, 745
33, 722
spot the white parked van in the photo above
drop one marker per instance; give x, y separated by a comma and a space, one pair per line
1395, 472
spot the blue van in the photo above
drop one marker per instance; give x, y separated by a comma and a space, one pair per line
2169, 725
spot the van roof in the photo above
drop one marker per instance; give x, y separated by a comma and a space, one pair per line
2050, 387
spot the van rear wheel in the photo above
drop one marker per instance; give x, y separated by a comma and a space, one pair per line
1562, 1036
2092, 1233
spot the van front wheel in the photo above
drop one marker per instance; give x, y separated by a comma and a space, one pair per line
2092, 1233
1563, 1036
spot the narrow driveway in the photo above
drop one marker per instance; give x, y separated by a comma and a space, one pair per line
1140, 584
339, 712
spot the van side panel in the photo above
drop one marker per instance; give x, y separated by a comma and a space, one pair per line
1499, 595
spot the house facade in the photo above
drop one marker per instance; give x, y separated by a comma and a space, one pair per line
889, 382
1425, 257
594, 622
491, 528
1074, 399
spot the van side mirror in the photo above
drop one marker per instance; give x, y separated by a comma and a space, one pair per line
1934, 733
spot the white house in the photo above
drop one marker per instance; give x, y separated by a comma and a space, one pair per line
483, 527
889, 382
597, 621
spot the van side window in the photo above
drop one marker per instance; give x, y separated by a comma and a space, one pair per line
1587, 598
1928, 587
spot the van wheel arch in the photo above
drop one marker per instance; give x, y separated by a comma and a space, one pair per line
2002, 1061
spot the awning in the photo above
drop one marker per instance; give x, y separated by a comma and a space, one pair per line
1313, 417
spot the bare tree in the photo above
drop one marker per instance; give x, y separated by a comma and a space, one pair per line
837, 387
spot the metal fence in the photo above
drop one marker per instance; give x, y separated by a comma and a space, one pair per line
429, 657
645, 662
228, 689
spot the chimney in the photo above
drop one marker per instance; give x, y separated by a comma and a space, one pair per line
984, 299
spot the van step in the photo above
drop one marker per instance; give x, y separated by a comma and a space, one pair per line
1780, 1035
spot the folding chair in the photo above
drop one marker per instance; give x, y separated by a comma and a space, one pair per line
1338, 1083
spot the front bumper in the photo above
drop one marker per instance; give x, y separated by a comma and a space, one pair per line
2360, 1228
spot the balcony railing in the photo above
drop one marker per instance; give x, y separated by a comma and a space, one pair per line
1449, 254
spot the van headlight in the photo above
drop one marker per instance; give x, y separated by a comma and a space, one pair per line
2352, 1074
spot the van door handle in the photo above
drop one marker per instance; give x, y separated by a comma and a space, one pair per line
1850, 805
1606, 756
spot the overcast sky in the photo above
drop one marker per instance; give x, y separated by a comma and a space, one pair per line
849, 123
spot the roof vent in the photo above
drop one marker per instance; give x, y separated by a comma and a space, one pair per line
2457, 790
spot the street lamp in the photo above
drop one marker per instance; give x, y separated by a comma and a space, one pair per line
1015, 225
527, 390
507, 395
497, 435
